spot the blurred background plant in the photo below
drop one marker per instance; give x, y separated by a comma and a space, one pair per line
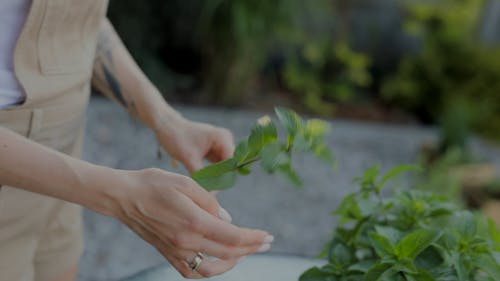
387, 60
234, 52
454, 78
236, 36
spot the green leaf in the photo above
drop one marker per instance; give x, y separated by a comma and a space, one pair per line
273, 156
221, 182
405, 265
396, 172
316, 128
429, 258
371, 174
341, 255
244, 171
323, 152
301, 143
218, 176
349, 208
390, 233
423, 275
367, 205
324, 252
466, 225
216, 169
494, 234
369, 178
241, 152
316, 274
414, 243
382, 245
291, 174
488, 264
263, 133
459, 267
362, 266
377, 272
292, 122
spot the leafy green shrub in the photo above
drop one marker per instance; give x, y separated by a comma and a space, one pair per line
274, 154
453, 65
326, 73
411, 235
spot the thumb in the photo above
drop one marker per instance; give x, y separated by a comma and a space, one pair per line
193, 165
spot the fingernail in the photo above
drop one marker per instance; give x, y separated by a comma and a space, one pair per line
224, 215
269, 239
264, 248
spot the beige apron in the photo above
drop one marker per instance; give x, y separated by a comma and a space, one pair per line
41, 237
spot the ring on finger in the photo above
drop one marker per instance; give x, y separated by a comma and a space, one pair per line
196, 262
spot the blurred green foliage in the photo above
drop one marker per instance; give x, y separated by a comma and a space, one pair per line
325, 70
234, 52
216, 50
438, 177
326, 73
237, 36
454, 79
221, 44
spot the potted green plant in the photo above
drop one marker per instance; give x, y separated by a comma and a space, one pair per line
410, 235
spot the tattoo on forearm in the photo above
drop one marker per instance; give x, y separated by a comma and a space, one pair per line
113, 83
106, 73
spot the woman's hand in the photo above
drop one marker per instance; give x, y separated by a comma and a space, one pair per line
180, 219
191, 142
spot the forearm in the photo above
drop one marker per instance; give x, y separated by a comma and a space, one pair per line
117, 76
33, 167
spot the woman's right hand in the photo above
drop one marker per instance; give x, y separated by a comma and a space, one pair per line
168, 210
179, 218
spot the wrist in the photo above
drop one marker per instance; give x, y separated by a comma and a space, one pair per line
158, 113
166, 121
106, 189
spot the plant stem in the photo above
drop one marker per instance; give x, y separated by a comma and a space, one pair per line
248, 162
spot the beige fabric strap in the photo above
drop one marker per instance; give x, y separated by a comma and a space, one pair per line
29, 122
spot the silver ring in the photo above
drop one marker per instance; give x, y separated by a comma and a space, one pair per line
196, 262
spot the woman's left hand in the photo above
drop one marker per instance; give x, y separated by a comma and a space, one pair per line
191, 142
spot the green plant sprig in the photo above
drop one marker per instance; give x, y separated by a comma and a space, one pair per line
409, 236
263, 145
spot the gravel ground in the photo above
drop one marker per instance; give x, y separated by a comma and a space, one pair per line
300, 219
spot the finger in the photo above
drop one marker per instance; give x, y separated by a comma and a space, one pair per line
229, 234
182, 266
214, 157
210, 268
204, 199
221, 250
194, 164
223, 146
168, 252
206, 221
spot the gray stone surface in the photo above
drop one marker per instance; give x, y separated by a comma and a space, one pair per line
257, 267
299, 218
